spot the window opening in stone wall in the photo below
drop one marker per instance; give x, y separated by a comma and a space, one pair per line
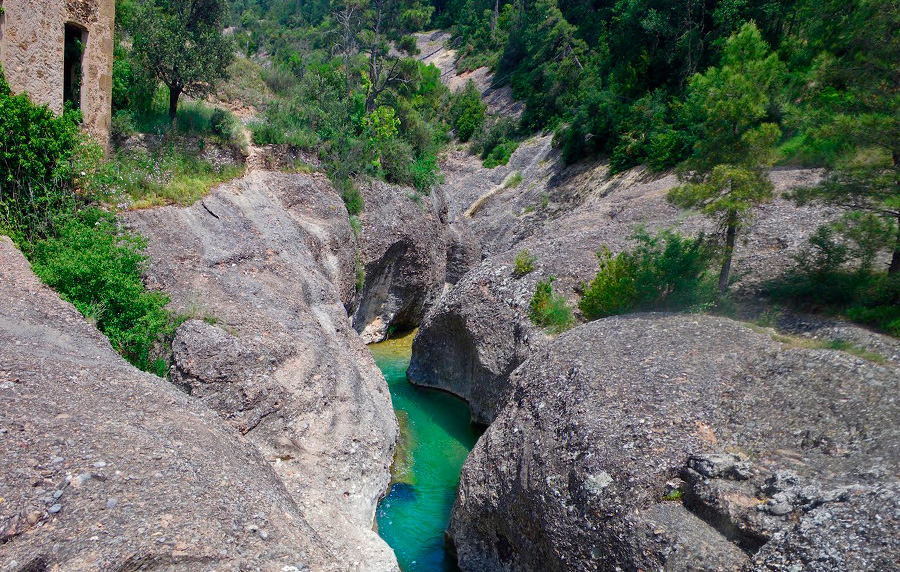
73, 56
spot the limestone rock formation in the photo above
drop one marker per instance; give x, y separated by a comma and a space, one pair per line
106, 468
402, 251
480, 332
688, 443
270, 260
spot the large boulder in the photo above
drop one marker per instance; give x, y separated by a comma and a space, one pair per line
108, 469
402, 256
267, 266
480, 331
688, 443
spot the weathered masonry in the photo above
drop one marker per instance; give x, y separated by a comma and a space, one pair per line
59, 52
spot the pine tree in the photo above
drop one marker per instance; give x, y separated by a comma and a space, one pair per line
857, 94
728, 176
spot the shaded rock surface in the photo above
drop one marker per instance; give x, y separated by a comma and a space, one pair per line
782, 459
480, 332
271, 259
106, 468
403, 255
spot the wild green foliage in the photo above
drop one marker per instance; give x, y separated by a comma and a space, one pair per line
524, 263
664, 272
39, 153
497, 142
81, 252
549, 310
467, 112
181, 44
825, 279
172, 172
855, 107
728, 174
397, 140
97, 267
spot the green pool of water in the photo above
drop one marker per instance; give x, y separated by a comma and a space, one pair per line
436, 437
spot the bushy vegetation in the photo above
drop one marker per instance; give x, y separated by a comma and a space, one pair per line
549, 309
39, 155
663, 272
97, 267
497, 142
170, 164
524, 263
828, 277
50, 175
467, 112
344, 85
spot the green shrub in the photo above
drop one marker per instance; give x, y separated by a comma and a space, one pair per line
424, 173
468, 112
524, 263
122, 125
514, 181
221, 124
614, 289
500, 154
549, 310
97, 266
353, 199
496, 144
664, 272
824, 280
862, 296
39, 155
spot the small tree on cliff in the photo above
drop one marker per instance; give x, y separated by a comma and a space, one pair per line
181, 43
728, 175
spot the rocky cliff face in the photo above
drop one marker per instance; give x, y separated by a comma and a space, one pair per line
272, 258
480, 332
403, 249
772, 457
106, 468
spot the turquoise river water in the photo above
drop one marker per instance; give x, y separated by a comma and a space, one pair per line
436, 437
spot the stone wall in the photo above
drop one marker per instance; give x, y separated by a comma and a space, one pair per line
32, 34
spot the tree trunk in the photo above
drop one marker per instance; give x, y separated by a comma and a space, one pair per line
496, 19
730, 234
374, 72
174, 94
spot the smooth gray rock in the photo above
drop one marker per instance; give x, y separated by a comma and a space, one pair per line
402, 251
479, 332
179, 476
270, 258
572, 473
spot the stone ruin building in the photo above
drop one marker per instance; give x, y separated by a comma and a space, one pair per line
61, 52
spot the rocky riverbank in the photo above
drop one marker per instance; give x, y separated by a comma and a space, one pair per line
479, 332
686, 443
